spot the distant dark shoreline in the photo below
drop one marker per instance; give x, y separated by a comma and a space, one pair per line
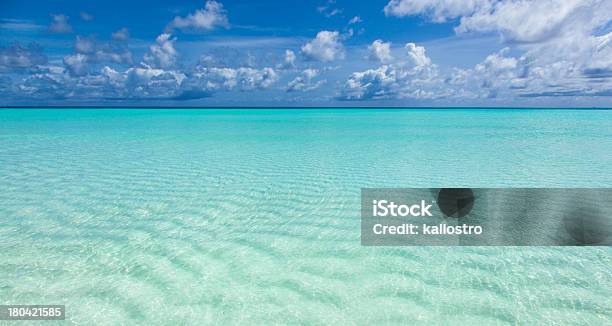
76, 107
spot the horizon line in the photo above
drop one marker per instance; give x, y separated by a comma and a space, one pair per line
296, 107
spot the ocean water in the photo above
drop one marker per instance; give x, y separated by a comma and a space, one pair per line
252, 216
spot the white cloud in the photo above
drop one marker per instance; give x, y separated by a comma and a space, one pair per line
122, 34
102, 52
85, 44
84, 83
76, 64
325, 47
372, 84
213, 15
60, 24
147, 81
50, 84
17, 57
355, 20
250, 78
553, 49
288, 60
380, 51
305, 81
544, 74
499, 76
114, 77
498, 63
79, 81
289, 57
162, 54
503, 76
417, 56
243, 78
561, 45
411, 77
310, 73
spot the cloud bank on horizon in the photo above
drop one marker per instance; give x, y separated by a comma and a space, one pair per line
406, 53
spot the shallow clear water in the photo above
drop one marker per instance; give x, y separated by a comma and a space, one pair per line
234, 216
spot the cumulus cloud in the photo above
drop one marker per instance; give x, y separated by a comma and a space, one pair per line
213, 15
497, 75
380, 51
79, 81
250, 78
78, 78
243, 78
145, 81
150, 82
50, 84
552, 48
600, 64
85, 44
122, 34
289, 57
563, 50
534, 77
76, 64
18, 57
438, 10
588, 55
412, 76
107, 83
305, 82
372, 84
95, 52
417, 56
326, 46
162, 54
503, 76
288, 60
60, 24
89, 54
205, 81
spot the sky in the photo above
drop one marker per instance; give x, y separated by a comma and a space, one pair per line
440, 53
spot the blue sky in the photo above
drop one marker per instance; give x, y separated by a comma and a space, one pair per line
555, 53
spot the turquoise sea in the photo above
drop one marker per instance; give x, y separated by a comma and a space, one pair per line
240, 216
